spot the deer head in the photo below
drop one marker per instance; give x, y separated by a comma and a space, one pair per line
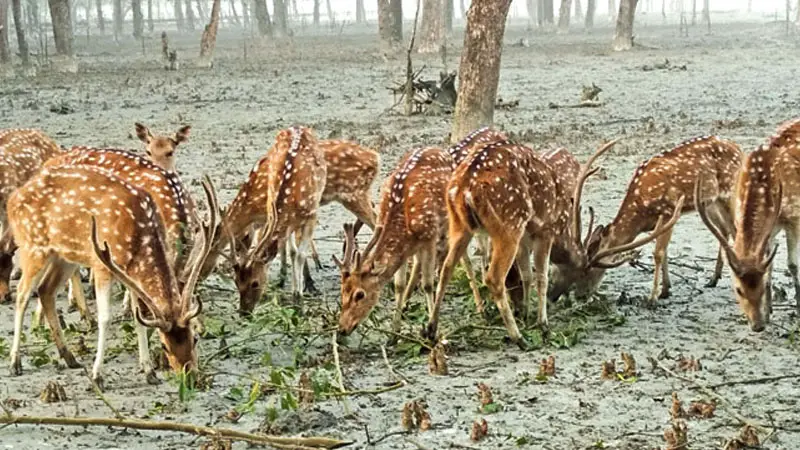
361, 280
161, 149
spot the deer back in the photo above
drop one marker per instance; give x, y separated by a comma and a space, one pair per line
165, 188
351, 170
477, 138
28, 140
564, 165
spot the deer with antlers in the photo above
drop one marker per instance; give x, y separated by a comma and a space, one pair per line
766, 199
161, 149
22, 153
58, 220
509, 192
291, 190
661, 190
411, 224
350, 171
175, 207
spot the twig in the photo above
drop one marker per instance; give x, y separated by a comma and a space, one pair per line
388, 435
750, 381
339, 376
401, 336
409, 92
726, 405
141, 424
102, 397
397, 375
341, 393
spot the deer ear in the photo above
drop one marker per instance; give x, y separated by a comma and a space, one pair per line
143, 133
183, 134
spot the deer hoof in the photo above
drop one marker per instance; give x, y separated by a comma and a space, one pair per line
152, 378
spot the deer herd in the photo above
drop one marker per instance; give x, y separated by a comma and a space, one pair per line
128, 217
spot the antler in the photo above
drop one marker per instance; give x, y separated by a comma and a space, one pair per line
266, 235
700, 206
350, 247
586, 172
104, 255
658, 231
209, 230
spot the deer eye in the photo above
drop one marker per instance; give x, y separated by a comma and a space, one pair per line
163, 347
739, 292
254, 285
360, 295
148, 153
345, 275
169, 154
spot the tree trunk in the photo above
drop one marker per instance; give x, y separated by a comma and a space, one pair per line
707, 14
591, 7
578, 11
245, 14
360, 12
101, 22
279, 17
233, 12
749, 6
262, 17
390, 22
138, 19
623, 36
62, 26
189, 15
479, 72
563, 16
797, 18
178, 9
548, 12
201, 13
694, 12
316, 12
329, 10
463, 9
5, 52
22, 43
612, 10
449, 12
209, 39
117, 19
664, 10
533, 10
150, 24
431, 30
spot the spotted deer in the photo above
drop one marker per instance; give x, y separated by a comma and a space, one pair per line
767, 200
173, 203
509, 192
22, 153
161, 149
411, 224
351, 170
58, 219
295, 172
658, 186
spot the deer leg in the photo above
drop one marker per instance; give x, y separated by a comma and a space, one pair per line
659, 256
482, 242
402, 290
523, 260
102, 288
303, 239
361, 207
791, 247
315, 255
473, 284
77, 297
33, 268
458, 242
541, 263
725, 221
52, 282
6, 266
504, 250
142, 341
426, 259
284, 265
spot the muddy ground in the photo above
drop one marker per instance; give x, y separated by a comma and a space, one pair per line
739, 82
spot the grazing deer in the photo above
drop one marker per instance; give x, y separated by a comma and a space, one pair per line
653, 195
351, 170
161, 149
290, 191
58, 219
411, 223
766, 202
507, 191
173, 203
22, 153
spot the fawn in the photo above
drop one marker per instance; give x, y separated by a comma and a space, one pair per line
653, 195
22, 153
161, 149
509, 192
411, 223
766, 202
57, 219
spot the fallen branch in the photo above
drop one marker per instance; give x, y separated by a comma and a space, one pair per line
751, 381
577, 105
141, 424
339, 376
